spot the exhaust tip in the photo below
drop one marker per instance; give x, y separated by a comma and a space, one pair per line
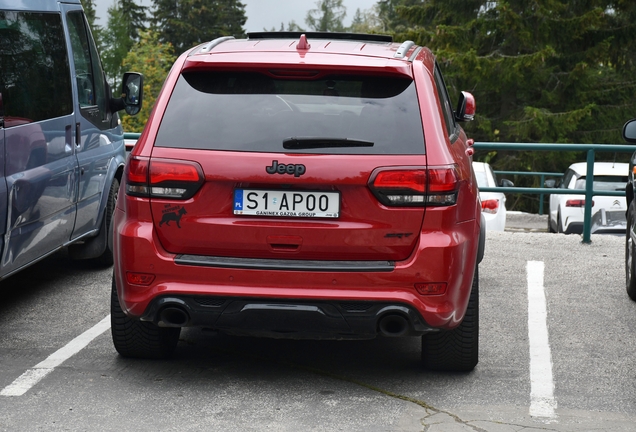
393, 326
173, 317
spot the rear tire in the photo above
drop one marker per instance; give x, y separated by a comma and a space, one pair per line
106, 259
630, 272
139, 339
550, 229
458, 349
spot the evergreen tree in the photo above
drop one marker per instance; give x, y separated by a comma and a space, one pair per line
91, 17
126, 20
328, 16
153, 59
186, 23
135, 17
366, 22
89, 11
291, 26
387, 12
116, 44
552, 71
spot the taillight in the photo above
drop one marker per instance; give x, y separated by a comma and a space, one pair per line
443, 184
576, 203
163, 178
490, 206
136, 177
415, 186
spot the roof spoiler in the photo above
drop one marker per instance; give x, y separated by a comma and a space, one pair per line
363, 37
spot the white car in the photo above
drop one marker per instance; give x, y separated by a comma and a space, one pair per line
493, 204
567, 211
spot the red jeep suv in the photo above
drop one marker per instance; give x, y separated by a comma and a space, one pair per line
313, 186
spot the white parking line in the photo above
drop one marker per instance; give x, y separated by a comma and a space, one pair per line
542, 402
31, 377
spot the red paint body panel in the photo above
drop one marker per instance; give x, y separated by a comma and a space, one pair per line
446, 253
209, 226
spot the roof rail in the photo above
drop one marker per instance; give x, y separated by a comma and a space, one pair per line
321, 35
403, 49
208, 47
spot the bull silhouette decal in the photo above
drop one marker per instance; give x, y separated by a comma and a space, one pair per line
174, 215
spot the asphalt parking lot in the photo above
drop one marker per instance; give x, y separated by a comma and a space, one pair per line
577, 376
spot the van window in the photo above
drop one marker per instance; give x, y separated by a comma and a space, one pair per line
91, 86
35, 79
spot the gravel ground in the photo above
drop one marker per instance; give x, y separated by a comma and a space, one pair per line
529, 222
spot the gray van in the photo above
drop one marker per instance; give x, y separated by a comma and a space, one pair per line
61, 142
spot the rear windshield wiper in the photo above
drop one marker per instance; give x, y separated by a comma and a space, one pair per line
297, 143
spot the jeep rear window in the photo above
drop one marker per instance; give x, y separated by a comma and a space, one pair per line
244, 111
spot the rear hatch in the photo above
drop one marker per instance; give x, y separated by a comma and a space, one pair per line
305, 165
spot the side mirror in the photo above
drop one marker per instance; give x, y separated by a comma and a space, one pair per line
132, 92
629, 131
550, 183
506, 183
465, 107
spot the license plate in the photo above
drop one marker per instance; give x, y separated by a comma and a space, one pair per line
299, 204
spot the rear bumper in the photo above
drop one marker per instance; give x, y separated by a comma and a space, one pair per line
256, 296
288, 319
573, 228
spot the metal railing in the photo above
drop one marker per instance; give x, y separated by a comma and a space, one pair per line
542, 176
589, 191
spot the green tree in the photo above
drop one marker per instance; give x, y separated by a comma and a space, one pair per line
552, 71
115, 45
187, 23
327, 16
91, 17
367, 21
291, 26
126, 20
89, 11
388, 16
135, 17
153, 59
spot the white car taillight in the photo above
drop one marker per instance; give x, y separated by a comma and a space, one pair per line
576, 203
490, 206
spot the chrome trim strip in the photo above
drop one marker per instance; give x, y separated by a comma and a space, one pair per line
285, 264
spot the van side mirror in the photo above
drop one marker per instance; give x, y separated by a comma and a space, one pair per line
549, 183
629, 131
132, 92
465, 107
506, 183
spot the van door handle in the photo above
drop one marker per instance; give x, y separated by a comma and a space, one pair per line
78, 135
